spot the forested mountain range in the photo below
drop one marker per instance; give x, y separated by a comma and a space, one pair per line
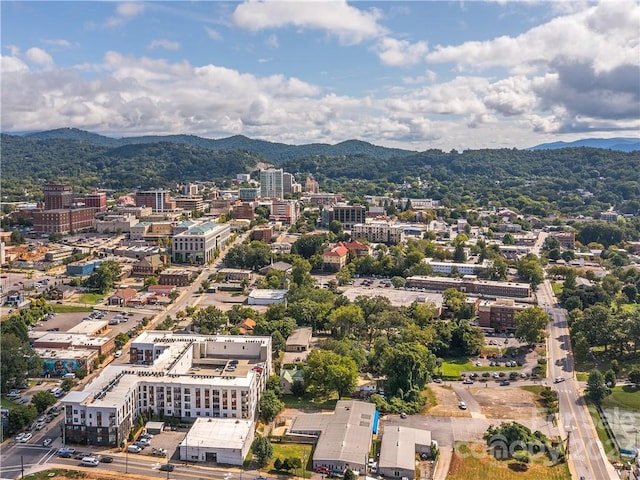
571, 180
274, 152
617, 143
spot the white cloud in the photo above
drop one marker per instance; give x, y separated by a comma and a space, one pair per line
400, 52
39, 57
605, 34
213, 34
163, 43
124, 13
350, 24
59, 42
14, 50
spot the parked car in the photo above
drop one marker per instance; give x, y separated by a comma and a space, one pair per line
27, 436
468, 381
462, 406
134, 449
89, 462
505, 382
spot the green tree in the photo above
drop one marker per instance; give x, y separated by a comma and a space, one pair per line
530, 325
530, 270
336, 227
270, 406
345, 320
209, 320
408, 367
610, 378
121, 340
18, 361
151, 280
262, 449
43, 399
634, 376
597, 389
349, 475
327, 372
21, 416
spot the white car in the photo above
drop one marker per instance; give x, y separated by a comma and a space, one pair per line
462, 406
558, 380
19, 437
26, 438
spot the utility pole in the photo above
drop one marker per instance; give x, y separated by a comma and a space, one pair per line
21, 467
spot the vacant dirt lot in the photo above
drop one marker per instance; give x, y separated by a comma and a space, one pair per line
447, 403
502, 402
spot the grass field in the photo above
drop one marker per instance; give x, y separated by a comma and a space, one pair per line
90, 298
69, 308
288, 450
603, 435
453, 367
626, 397
470, 461
557, 288
310, 403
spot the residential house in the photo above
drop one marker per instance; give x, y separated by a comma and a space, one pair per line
288, 377
122, 297
334, 258
246, 326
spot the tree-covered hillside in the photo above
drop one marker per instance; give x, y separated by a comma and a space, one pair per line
571, 181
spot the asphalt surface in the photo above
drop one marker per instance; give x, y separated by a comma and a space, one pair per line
586, 455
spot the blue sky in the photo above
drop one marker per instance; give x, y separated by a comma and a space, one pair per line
415, 75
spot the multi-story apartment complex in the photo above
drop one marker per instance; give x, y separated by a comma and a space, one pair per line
57, 196
159, 200
172, 375
500, 314
272, 183
288, 182
471, 285
348, 215
378, 232
199, 243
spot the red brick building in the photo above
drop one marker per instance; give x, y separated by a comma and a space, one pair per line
63, 221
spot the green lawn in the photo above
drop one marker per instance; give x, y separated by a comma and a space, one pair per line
6, 403
288, 450
310, 403
557, 288
69, 308
453, 367
471, 462
625, 397
90, 298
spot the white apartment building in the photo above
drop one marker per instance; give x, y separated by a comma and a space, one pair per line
272, 183
462, 268
199, 243
378, 232
174, 375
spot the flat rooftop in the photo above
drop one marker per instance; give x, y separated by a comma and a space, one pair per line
228, 433
397, 297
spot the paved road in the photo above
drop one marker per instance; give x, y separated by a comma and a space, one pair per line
586, 454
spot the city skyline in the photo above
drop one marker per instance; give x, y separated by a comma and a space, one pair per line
414, 75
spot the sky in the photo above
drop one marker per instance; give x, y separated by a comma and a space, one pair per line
414, 75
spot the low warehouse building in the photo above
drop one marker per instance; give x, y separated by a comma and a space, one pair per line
221, 440
398, 451
266, 296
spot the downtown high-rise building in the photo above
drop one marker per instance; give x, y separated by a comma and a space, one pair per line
271, 183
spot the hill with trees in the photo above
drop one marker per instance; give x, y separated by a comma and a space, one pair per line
544, 182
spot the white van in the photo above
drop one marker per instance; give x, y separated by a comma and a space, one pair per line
133, 449
89, 462
68, 376
118, 354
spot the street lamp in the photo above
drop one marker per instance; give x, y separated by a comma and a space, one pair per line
568, 429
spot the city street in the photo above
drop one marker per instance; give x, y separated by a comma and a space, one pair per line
586, 455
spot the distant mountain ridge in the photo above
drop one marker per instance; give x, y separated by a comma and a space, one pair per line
274, 152
623, 144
